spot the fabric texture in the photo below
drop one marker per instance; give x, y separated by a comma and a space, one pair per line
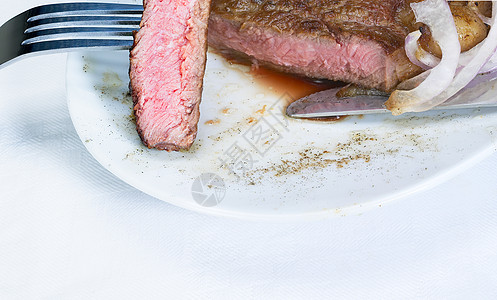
69, 229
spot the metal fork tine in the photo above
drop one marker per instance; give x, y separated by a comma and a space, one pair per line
68, 27
85, 8
75, 21
44, 21
76, 44
77, 32
83, 30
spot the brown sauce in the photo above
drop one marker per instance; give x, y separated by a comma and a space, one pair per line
282, 83
327, 119
295, 86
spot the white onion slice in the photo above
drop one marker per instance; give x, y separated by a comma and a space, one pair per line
484, 19
437, 16
424, 59
480, 78
480, 90
491, 64
413, 82
416, 54
467, 57
466, 74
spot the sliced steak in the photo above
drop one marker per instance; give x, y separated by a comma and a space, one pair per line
167, 64
358, 41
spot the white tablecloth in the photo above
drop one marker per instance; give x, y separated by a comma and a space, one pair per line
71, 230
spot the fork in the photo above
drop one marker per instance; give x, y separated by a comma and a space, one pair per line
69, 27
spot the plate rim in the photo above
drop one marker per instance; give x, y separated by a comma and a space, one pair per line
423, 185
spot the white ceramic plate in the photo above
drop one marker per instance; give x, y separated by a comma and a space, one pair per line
276, 167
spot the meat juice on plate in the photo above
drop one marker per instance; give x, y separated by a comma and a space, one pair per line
280, 82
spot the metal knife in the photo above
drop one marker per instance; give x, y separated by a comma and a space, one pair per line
326, 104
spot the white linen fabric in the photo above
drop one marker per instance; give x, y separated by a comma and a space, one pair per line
69, 229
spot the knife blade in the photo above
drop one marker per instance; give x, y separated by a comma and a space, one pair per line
326, 104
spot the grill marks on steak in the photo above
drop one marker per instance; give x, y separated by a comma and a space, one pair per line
167, 64
354, 41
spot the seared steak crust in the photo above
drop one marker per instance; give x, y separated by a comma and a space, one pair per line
356, 41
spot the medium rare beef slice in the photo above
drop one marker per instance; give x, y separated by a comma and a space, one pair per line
167, 64
359, 41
